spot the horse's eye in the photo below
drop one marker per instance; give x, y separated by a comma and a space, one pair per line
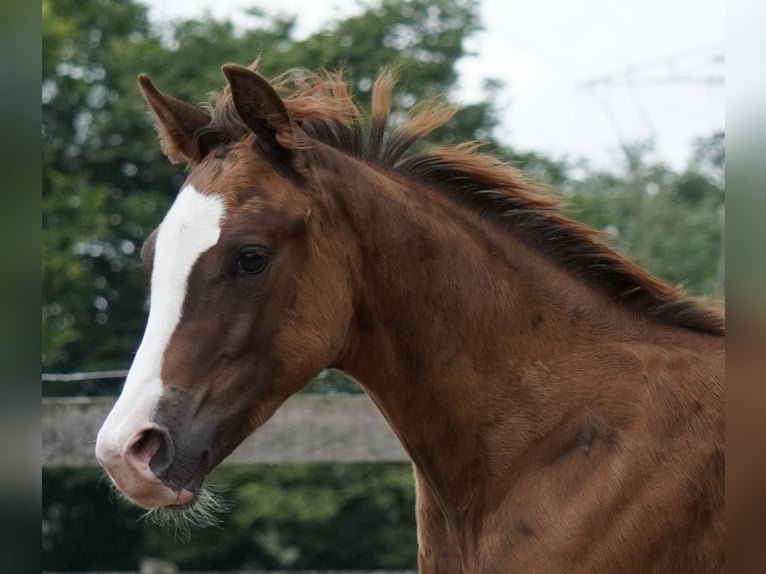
252, 260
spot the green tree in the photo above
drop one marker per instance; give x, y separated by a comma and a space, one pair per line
280, 519
97, 203
105, 181
668, 222
106, 185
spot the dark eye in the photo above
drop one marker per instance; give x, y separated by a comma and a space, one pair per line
252, 260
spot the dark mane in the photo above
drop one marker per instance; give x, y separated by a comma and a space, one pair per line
322, 104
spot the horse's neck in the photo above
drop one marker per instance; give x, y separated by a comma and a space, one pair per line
458, 335
520, 393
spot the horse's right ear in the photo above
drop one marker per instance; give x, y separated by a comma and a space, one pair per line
176, 122
262, 110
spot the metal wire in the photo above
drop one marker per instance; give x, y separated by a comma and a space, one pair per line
91, 376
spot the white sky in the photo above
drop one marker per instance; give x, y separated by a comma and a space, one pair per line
656, 51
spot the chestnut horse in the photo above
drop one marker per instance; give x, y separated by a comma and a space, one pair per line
563, 409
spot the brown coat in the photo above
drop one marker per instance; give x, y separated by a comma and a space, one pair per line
564, 410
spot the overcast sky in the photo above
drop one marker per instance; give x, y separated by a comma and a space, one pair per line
581, 76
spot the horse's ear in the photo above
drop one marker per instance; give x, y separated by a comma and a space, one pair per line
262, 110
176, 122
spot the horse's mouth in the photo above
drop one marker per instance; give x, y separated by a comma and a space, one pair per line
188, 495
180, 507
203, 509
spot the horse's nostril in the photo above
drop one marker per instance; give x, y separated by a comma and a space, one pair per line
153, 448
164, 454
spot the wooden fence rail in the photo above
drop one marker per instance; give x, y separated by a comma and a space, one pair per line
307, 428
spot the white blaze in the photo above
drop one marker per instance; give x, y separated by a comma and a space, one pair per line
191, 227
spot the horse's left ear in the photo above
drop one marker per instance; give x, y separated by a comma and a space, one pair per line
177, 122
262, 110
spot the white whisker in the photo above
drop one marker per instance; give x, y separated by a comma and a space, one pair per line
203, 513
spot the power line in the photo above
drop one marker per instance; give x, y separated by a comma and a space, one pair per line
706, 80
647, 72
701, 66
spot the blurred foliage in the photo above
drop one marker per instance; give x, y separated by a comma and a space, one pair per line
323, 516
105, 181
106, 185
671, 223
